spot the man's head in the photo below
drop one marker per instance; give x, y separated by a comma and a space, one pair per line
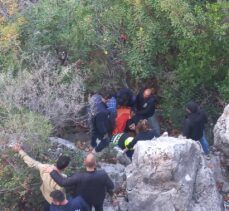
62, 162
58, 197
90, 161
106, 95
191, 107
147, 93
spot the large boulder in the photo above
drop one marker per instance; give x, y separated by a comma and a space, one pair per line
117, 174
221, 132
171, 174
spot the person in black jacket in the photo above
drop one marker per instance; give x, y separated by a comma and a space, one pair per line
91, 185
145, 104
102, 125
194, 123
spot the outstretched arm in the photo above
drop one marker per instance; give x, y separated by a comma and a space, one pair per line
26, 158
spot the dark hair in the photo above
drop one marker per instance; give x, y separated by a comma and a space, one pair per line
57, 195
122, 100
62, 162
105, 94
142, 126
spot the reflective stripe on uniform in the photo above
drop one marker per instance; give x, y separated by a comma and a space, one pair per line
116, 138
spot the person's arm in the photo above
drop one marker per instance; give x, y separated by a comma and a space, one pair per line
110, 189
205, 117
138, 102
63, 182
30, 161
101, 123
108, 184
26, 158
186, 128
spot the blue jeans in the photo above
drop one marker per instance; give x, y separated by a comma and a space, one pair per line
204, 144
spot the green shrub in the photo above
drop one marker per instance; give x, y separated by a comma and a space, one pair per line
19, 184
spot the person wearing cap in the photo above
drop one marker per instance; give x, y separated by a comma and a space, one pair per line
193, 127
122, 140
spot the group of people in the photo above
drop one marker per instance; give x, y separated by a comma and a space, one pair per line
119, 118
123, 119
90, 185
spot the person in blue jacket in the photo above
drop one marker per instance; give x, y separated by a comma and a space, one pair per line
60, 203
102, 123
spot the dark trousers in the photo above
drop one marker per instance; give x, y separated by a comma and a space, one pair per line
98, 207
46, 206
104, 142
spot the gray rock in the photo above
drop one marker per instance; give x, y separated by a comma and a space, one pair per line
206, 195
122, 206
169, 174
63, 142
116, 173
122, 157
221, 132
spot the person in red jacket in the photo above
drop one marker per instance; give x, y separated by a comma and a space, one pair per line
123, 114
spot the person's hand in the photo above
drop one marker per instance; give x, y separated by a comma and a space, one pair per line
125, 150
48, 168
165, 134
16, 147
181, 136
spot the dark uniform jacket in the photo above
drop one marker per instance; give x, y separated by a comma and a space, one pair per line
92, 186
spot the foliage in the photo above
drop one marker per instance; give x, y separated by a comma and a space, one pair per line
52, 51
59, 95
19, 184
203, 61
10, 23
20, 125
202, 65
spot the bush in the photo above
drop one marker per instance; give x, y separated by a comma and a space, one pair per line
19, 184
55, 93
